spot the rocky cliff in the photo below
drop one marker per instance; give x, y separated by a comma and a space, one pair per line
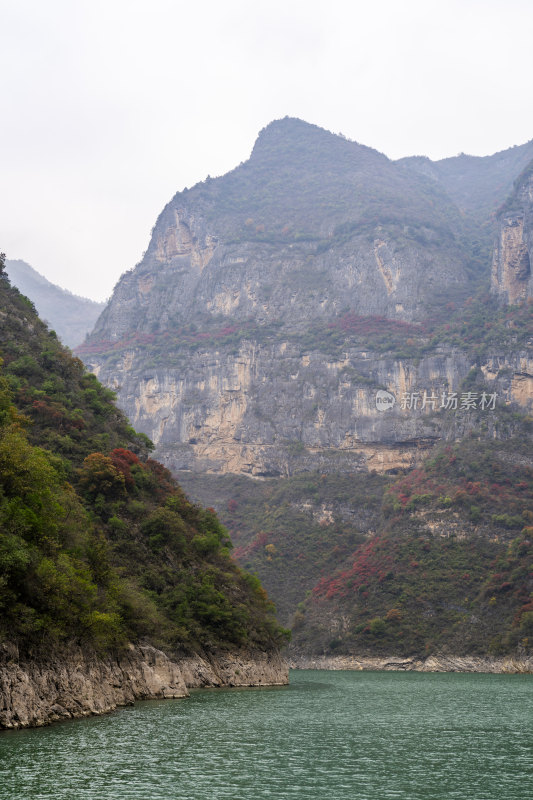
512, 277
275, 302
77, 682
444, 663
274, 408
310, 221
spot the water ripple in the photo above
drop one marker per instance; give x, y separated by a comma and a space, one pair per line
338, 735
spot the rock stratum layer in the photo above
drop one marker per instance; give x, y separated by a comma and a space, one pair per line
80, 683
435, 663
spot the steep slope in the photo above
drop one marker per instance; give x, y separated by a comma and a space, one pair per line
450, 569
99, 547
438, 561
512, 277
331, 403
71, 317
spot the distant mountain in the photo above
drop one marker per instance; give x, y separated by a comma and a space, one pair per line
72, 317
478, 184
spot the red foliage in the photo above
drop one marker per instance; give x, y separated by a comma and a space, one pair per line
165, 482
373, 562
256, 544
123, 459
55, 415
373, 325
181, 336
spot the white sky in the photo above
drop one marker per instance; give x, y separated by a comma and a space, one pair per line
111, 106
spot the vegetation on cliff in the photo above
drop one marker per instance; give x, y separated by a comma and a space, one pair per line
439, 559
97, 541
450, 568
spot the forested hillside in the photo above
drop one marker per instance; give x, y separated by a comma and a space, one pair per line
437, 560
98, 543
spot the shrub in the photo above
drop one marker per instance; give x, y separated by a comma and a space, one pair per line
99, 476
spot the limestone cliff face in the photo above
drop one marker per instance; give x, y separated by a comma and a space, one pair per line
78, 683
190, 274
310, 227
512, 277
269, 409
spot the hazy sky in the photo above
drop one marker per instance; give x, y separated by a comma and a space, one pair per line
108, 108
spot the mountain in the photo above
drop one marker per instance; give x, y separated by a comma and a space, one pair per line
322, 320
72, 317
110, 578
309, 221
274, 303
478, 185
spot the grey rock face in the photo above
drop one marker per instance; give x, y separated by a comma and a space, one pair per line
270, 409
512, 276
436, 663
312, 226
311, 221
78, 683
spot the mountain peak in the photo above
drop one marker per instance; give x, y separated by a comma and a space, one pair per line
294, 137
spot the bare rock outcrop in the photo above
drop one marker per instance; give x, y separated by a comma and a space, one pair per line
78, 682
434, 663
267, 409
512, 276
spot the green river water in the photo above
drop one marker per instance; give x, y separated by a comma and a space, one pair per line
327, 736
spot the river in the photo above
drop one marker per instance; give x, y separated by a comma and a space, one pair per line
327, 736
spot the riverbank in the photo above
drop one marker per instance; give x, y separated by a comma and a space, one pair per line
79, 682
434, 663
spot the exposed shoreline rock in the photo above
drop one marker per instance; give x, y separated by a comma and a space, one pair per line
79, 683
434, 663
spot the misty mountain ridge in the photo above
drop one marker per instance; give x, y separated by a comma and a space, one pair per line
71, 316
